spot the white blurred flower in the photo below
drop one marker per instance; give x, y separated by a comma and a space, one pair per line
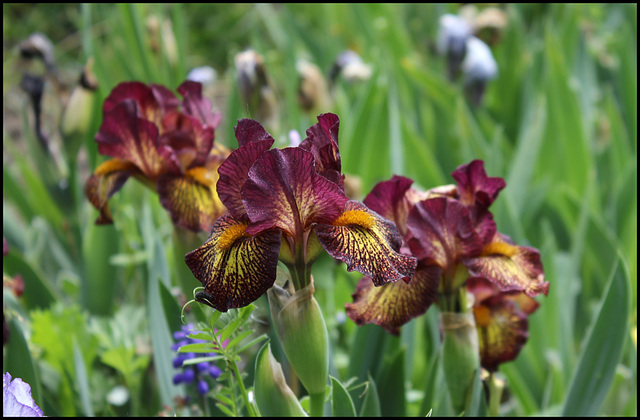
203, 74
478, 63
453, 33
351, 67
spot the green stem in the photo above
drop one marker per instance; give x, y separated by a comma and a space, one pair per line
316, 404
245, 395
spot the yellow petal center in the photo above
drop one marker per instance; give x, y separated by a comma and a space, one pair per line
113, 165
355, 217
482, 315
230, 236
500, 248
201, 175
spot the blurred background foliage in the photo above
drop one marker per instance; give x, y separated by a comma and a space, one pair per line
559, 123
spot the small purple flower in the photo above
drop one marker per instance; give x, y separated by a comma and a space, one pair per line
16, 398
197, 372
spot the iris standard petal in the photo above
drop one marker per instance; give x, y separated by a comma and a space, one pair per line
234, 172
390, 199
394, 304
196, 105
322, 142
367, 243
188, 138
235, 268
442, 231
250, 131
284, 190
107, 179
152, 101
474, 186
510, 267
125, 136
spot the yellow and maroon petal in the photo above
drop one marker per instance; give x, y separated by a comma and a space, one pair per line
284, 190
510, 267
367, 243
394, 304
107, 179
124, 135
502, 331
234, 267
191, 198
443, 232
190, 140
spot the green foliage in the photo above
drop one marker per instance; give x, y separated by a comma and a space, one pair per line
559, 123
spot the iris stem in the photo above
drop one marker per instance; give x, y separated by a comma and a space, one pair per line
316, 404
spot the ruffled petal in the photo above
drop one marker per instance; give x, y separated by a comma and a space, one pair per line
234, 267
124, 135
392, 200
443, 233
367, 243
510, 267
191, 199
190, 140
502, 326
152, 101
322, 142
233, 174
107, 179
251, 131
284, 190
475, 187
196, 105
394, 304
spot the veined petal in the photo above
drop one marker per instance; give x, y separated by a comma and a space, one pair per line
191, 198
394, 304
367, 243
234, 267
125, 136
234, 172
196, 105
107, 179
391, 199
284, 190
322, 142
510, 267
474, 186
442, 232
251, 131
502, 326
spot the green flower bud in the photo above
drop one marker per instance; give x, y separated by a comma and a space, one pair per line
460, 355
303, 335
273, 396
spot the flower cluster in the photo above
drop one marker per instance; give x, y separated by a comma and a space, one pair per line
197, 372
165, 143
451, 232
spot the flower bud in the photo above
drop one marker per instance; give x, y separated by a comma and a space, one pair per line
303, 335
460, 355
273, 396
78, 111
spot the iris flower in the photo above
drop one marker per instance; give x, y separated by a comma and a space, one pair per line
167, 144
289, 204
451, 232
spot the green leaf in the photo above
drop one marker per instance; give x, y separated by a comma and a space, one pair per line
82, 380
391, 382
341, 403
602, 348
18, 361
371, 404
